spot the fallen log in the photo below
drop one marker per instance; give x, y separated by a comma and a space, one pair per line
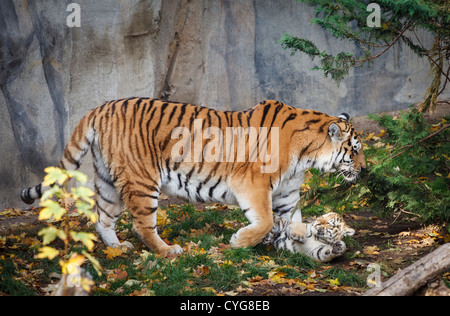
410, 279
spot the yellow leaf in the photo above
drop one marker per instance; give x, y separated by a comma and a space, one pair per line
51, 208
369, 137
371, 250
228, 262
86, 238
447, 238
87, 284
54, 175
50, 233
47, 252
382, 132
162, 218
73, 265
94, 263
112, 252
334, 282
166, 232
277, 277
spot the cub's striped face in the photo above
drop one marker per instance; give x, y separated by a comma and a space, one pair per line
330, 228
347, 154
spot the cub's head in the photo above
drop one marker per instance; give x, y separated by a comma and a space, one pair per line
331, 227
345, 149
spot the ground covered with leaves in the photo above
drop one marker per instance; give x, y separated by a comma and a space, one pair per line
390, 233
209, 266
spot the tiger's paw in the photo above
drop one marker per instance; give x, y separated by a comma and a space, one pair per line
125, 246
236, 241
171, 250
297, 232
298, 238
339, 248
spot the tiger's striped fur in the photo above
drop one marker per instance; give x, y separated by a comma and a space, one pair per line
321, 240
131, 143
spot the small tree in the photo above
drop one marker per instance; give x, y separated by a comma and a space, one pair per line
398, 25
58, 214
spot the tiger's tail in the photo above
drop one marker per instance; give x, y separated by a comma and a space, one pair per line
79, 144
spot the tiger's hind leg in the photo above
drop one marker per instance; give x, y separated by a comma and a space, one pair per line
108, 207
142, 201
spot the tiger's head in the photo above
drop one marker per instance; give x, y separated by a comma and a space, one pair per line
345, 153
331, 227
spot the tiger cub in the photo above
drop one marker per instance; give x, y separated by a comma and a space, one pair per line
256, 159
320, 240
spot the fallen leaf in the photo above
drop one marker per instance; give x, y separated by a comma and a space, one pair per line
255, 279
369, 137
112, 252
162, 218
132, 282
371, 250
364, 232
116, 275
447, 238
202, 270
334, 282
143, 292
277, 277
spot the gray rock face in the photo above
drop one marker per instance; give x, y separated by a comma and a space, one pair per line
222, 54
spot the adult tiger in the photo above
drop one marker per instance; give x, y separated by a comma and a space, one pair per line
137, 156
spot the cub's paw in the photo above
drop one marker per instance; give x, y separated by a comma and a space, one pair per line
298, 238
339, 247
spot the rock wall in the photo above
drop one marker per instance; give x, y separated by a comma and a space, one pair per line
223, 54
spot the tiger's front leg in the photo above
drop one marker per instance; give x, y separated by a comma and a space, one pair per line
257, 206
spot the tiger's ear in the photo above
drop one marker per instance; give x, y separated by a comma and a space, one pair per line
344, 116
334, 132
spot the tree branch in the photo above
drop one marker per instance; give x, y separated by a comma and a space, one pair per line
430, 58
404, 148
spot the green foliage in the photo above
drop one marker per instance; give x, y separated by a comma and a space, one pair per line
347, 20
411, 172
408, 171
60, 228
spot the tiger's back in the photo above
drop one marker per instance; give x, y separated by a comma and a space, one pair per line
254, 158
